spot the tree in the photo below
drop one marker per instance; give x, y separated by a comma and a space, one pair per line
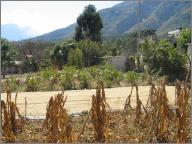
59, 54
91, 52
57, 57
164, 59
182, 41
75, 57
8, 55
89, 25
40, 51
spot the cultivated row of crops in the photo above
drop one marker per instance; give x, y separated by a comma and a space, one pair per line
73, 78
156, 121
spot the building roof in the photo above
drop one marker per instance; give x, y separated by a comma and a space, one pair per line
29, 56
175, 32
18, 62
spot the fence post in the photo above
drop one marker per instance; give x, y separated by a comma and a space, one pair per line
25, 107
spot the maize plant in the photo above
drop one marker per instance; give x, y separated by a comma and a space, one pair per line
57, 123
159, 116
99, 116
128, 100
11, 124
182, 112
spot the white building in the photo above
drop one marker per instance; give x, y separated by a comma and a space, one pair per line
174, 33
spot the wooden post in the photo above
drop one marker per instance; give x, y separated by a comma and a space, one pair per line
25, 107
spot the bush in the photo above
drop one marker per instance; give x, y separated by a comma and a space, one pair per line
110, 75
32, 84
75, 57
84, 77
91, 52
130, 63
52, 75
132, 77
164, 59
14, 83
67, 77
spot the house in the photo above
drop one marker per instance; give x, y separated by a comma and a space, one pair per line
174, 33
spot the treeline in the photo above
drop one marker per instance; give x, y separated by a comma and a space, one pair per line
82, 53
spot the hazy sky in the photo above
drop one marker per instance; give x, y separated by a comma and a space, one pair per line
45, 16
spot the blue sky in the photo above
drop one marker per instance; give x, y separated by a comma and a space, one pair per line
40, 17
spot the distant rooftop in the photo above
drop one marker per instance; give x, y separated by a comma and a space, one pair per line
174, 33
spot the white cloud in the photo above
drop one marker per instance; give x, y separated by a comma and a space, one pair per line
45, 16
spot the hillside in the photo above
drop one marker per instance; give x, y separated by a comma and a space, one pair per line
122, 18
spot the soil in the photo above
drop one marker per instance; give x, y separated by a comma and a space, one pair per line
80, 100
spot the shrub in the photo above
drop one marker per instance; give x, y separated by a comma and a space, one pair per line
32, 84
67, 77
14, 83
84, 77
75, 57
110, 75
52, 75
130, 63
132, 77
164, 59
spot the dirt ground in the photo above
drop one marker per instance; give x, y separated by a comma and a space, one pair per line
80, 100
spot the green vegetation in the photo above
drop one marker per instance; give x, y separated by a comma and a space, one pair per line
164, 59
71, 78
183, 40
8, 54
89, 25
31, 84
78, 64
75, 57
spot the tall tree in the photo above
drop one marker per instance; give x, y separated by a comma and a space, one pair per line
57, 57
59, 54
182, 44
8, 55
89, 25
91, 52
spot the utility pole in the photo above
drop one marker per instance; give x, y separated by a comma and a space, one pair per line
138, 36
139, 25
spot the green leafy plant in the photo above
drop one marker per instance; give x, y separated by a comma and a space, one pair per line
67, 77
84, 77
132, 77
32, 84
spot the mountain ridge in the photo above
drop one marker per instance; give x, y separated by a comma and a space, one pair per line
122, 19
